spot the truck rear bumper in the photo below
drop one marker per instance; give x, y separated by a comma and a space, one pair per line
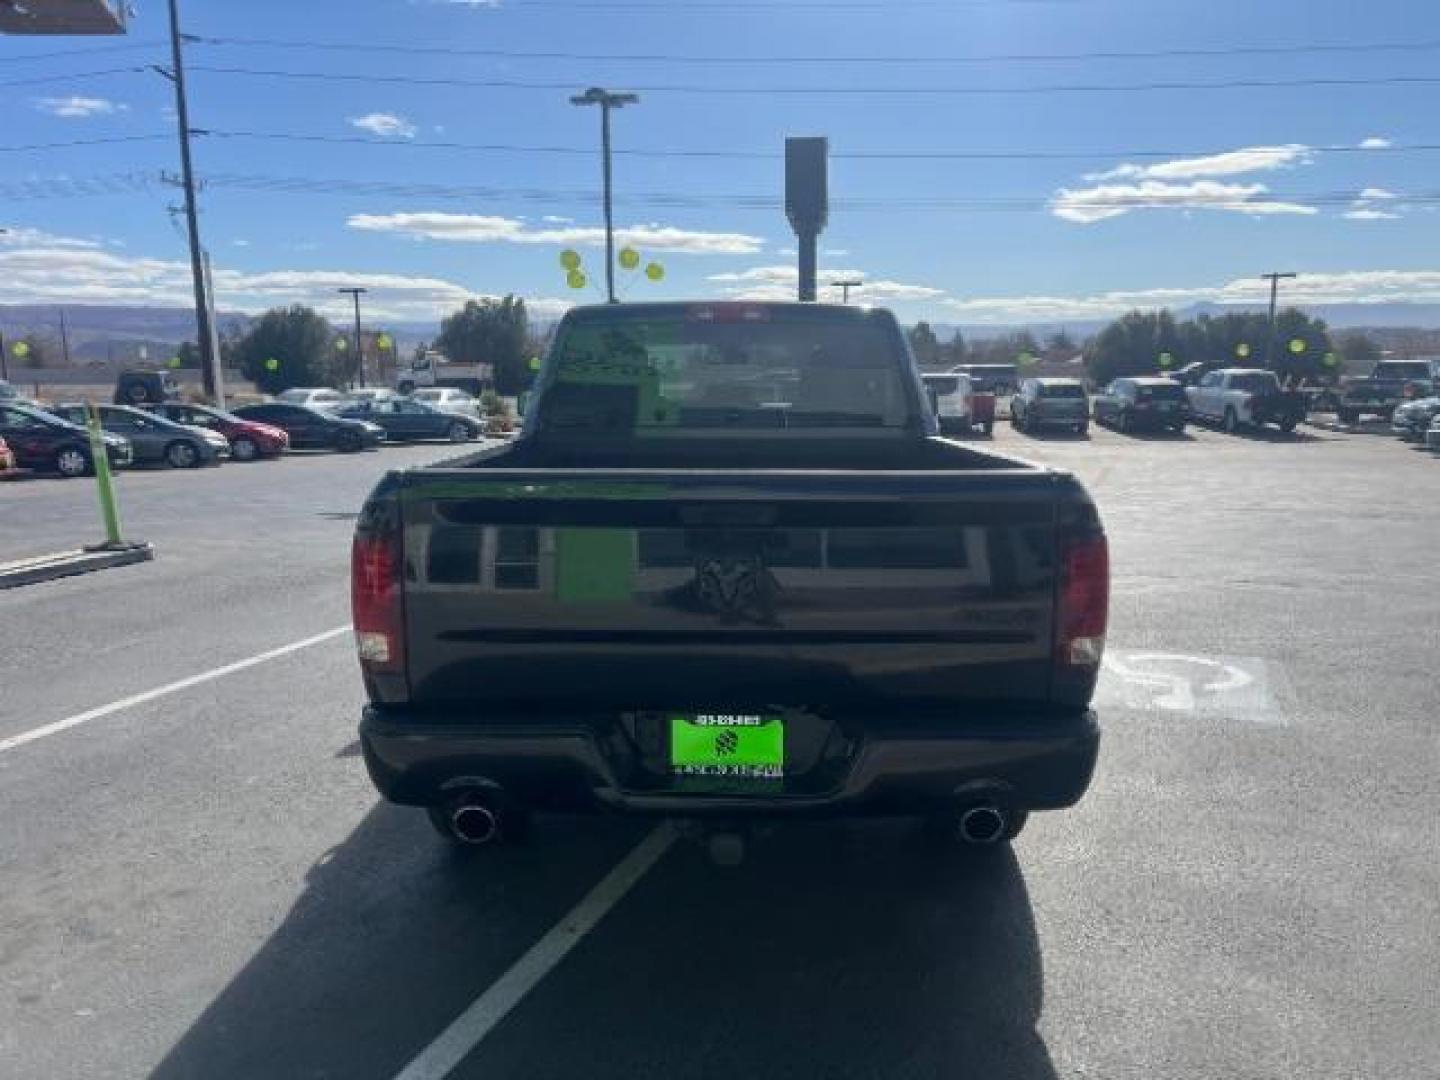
1037, 762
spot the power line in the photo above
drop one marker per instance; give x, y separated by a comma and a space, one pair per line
769, 155
82, 142
678, 88
60, 54
38, 80
987, 58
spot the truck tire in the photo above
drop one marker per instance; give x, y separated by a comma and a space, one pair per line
244, 449
1231, 422
1287, 425
457, 432
1347, 416
348, 442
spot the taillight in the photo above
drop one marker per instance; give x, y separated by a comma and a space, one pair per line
1084, 600
375, 601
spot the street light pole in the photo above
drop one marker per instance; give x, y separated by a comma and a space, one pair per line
359, 354
1274, 280
845, 285
607, 101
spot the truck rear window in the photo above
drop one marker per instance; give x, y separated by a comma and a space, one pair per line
1062, 390
679, 371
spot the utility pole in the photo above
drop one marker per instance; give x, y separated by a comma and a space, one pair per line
359, 353
607, 101
1274, 280
4, 361
845, 285
219, 395
192, 219
64, 339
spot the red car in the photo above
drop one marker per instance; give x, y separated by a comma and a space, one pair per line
249, 439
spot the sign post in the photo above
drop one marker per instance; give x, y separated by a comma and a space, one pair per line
806, 203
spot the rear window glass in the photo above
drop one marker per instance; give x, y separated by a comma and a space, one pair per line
1160, 393
942, 385
1411, 369
1064, 390
672, 373
1255, 383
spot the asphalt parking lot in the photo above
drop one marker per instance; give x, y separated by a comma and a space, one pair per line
198, 880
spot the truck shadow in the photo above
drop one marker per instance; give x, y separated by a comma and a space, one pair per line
835, 950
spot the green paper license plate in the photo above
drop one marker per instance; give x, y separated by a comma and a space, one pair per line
727, 746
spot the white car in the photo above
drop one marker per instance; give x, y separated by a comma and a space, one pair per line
448, 399
321, 397
371, 394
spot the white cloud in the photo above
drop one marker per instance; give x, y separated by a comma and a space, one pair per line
779, 283
1089, 205
77, 107
240, 243
556, 219
38, 268
1342, 287
1366, 213
385, 125
1374, 204
834, 253
787, 252
1377, 193
481, 229
1374, 142
1230, 163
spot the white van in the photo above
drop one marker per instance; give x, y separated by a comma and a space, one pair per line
951, 398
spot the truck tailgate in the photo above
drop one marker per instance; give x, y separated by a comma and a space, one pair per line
651, 588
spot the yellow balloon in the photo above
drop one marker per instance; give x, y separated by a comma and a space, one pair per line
655, 272
629, 258
570, 259
20, 349
1242, 350
575, 279
1297, 345
384, 341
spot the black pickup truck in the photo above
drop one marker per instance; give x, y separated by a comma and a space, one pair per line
1391, 383
730, 571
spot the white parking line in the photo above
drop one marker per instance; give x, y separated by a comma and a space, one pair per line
16, 741
462, 1036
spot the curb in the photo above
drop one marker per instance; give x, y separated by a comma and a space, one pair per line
68, 563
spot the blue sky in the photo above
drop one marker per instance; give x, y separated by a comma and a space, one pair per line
1249, 187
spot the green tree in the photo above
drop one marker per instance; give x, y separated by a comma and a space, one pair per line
1060, 345
1358, 354
300, 341
494, 332
188, 354
924, 344
957, 351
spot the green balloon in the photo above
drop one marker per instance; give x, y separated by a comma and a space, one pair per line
1242, 350
272, 364
570, 259
629, 258
576, 279
534, 363
1331, 360
655, 272
385, 341
1166, 359
21, 349
174, 361
1297, 345
341, 343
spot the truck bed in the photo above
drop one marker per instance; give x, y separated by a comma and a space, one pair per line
881, 576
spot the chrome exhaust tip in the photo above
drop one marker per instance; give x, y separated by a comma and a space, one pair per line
474, 823
982, 825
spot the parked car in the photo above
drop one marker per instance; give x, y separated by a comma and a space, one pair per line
1142, 403
657, 602
370, 393
7, 460
45, 442
1192, 373
321, 396
1391, 383
248, 439
145, 387
958, 406
1432, 434
313, 428
156, 440
1051, 403
1411, 419
1245, 397
449, 399
404, 420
